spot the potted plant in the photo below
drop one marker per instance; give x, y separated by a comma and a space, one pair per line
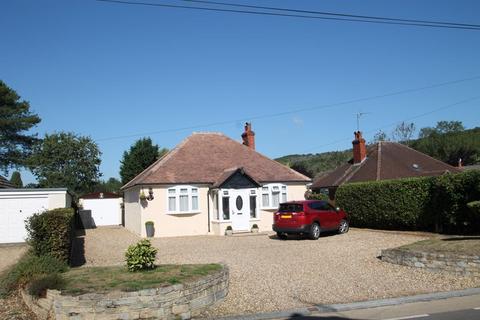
150, 228
254, 228
142, 196
228, 231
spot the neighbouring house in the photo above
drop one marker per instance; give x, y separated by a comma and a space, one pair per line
4, 183
100, 209
208, 183
383, 160
19, 204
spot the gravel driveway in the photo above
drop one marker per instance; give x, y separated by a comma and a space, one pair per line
9, 254
267, 274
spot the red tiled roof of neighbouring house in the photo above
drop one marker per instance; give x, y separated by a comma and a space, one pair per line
204, 157
4, 183
385, 160
101, 195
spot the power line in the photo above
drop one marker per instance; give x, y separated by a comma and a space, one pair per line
397, 122
332, 13
277, 114
391, 22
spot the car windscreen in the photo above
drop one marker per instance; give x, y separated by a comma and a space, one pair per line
291, 207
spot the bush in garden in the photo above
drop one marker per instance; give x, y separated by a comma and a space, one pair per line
51, 233
141, 256
37, 287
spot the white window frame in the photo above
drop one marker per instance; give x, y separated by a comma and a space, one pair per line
174, 192
282, 190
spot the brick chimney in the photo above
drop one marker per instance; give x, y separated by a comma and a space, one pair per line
359, 148
248, 136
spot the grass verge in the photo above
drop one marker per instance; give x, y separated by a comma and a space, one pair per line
451, 245
104, 279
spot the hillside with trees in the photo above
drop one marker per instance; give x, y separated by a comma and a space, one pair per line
448, 141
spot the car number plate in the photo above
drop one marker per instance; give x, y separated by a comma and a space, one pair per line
287, 216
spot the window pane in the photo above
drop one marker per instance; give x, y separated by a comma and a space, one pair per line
275, 199
215, 206
194, 202
183, 190
284, 188
253, 206
171, 204
275, 188
284, 197
265, 202
194, 190
226, 208
184, 203
264, 189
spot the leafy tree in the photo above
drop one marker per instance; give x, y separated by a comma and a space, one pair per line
403, 132
380, 136
15, 120
16, 179
66, 160
111, 185
442, 127
303, 168
141, 154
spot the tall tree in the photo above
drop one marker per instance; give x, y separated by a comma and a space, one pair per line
380, 136
403, 132
442, 127
16, 179
66, 160
15, 121
141, 154
111, 185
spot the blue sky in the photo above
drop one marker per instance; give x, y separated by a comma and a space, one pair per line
108, 70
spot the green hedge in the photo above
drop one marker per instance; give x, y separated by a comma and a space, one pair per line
51, 233
429, 203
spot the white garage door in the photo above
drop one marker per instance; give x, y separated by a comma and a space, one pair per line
102, 212
14, 211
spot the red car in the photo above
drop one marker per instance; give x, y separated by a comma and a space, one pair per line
309, 217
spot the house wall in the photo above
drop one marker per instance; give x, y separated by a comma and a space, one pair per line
172, 225
133, 219
59, 200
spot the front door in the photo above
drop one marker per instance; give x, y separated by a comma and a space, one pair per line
240, 209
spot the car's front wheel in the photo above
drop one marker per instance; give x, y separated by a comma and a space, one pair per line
314, 233
282, 235
343, 227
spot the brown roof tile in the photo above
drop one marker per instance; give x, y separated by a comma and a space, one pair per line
385, 160
204, 158
4, 183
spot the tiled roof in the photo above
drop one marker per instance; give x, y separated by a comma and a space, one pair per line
385, 160
207, 158
4, 183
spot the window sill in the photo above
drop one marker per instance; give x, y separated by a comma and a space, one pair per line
269, 208
183, 213
222, 221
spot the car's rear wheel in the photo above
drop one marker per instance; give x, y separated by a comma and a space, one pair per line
314, 232
282, 235
343, 227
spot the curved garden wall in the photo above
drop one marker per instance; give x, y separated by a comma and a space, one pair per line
180, 301
467, 265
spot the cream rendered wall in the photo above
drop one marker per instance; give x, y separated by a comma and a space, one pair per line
173, 225
133, 219
59, 199
294, 192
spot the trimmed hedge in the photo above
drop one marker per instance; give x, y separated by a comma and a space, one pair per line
429, 203
51, 233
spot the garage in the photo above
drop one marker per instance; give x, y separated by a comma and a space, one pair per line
19, 204
101, 209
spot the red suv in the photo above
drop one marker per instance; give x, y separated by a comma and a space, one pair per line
309, 217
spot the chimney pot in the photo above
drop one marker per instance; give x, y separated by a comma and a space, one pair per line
359, 148
248, 136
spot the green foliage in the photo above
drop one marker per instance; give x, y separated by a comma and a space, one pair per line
313, 164
38, 286
141, 155
66, 160
474, 207
403, 132
429, 203
111, 185
316, 196
451, 146
15, 121
442, 127
141, 256
51, 233
149, 223
27, 268
16, 179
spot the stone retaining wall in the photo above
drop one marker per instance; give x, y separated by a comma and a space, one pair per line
458, 264
180, 301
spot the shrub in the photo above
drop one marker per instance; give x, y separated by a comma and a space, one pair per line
51, 233
428, 203
140, 256
27, 268
316, 196
39, 286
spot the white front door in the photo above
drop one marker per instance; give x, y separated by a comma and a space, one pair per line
240, 209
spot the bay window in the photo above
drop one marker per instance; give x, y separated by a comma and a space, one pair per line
182, 199
273, 194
